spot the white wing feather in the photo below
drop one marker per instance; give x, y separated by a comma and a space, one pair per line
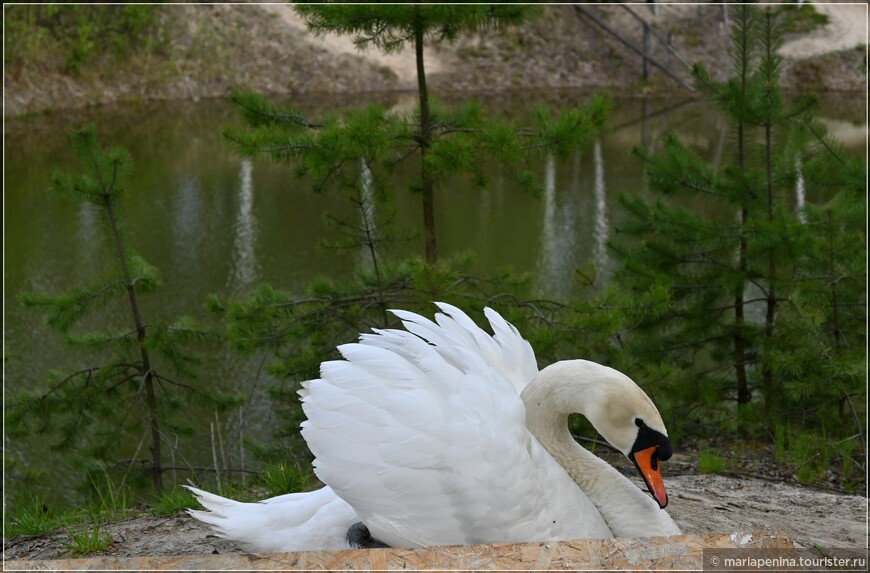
455, 336
423, 434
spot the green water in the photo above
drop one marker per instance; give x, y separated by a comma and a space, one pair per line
215, 223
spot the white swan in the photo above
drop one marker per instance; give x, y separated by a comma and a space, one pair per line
423, 437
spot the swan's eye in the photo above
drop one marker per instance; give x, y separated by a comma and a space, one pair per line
638, 422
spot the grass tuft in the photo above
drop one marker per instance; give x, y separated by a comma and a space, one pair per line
30, 516
88, 541
711, 463
108, 500
174, 501
284, 478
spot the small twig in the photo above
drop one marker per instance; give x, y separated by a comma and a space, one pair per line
857, 423
220, 438
133, 459
800, 467
241, 437
217, 471
595, 441
207, 469
174, 383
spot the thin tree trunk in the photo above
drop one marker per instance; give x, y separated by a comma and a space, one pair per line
835, 319
427, 184
366, 208
770, 318
832, 270
145, 370
743, 395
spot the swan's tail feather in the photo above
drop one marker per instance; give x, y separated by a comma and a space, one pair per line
303, 391
218, 510
292, 522
211, 501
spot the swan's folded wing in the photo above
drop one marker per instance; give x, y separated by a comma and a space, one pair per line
427, 442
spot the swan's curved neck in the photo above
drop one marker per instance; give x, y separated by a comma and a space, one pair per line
549, 400
552, 397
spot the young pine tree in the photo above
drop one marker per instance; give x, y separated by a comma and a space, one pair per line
125, 392
373, 148
820, 352
444, 144
729, 301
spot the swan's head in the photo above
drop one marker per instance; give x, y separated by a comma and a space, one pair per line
620, 411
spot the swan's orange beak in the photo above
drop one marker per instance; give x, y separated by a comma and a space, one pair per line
647, 463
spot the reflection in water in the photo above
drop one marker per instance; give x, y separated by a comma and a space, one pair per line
88, 240
554, 251
568, 223
602, 226
720, 146
755, 302
644, 124
549, 242
366, 214
800, 192
187, 228
244, 271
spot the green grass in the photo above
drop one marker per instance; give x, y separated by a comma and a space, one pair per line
87, 541
174, 501
108, 501
76, 34
711, 463
810, 455
285, 477
800, 20
30, 516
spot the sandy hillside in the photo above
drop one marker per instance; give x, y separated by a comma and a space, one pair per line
564, 48
846, 29
210, 50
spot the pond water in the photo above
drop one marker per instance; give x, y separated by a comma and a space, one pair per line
213, 222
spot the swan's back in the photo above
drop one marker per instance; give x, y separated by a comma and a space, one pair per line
423, 433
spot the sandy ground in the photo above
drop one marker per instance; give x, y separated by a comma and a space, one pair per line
699, 504
403, 66
846, 28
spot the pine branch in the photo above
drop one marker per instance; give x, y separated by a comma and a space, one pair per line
820, 137
700, 188
175, 383
260, 111
89, 371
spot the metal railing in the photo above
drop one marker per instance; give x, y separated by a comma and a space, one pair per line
645, 48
